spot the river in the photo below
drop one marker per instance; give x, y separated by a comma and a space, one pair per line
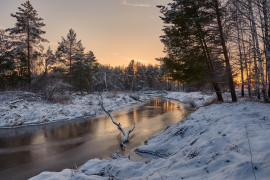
28, 151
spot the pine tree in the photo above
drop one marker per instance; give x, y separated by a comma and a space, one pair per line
29, 33
189, 42
90, 71
66, 52
131, 75
83, 69
77, 68
7, 63
50, 59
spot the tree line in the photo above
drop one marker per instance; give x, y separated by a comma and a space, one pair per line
214, 41
25, 65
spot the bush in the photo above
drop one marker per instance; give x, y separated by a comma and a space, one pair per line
57, 92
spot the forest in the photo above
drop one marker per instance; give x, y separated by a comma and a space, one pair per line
222, 40
26, 65
202, 112
208, 45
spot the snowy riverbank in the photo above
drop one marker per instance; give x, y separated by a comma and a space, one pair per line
215, 142
24, 108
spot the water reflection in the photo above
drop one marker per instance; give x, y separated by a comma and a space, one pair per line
52, 147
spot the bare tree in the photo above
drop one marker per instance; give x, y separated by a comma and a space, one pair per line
255, 38
266, 40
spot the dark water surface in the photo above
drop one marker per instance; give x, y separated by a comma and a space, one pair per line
27, 151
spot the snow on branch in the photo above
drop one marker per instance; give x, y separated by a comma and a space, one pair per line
126, 134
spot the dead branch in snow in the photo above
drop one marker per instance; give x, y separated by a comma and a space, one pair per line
126, 134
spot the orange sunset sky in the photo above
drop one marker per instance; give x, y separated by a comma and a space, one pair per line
115, 30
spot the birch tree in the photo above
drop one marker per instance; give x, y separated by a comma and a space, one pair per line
256, 41
266, 41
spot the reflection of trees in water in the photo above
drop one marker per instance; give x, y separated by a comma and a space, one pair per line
165, 104
13, 159
15, 141
93, 126
70, 131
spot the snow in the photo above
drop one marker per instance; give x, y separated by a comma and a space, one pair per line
196, 99
24, 108
215, 142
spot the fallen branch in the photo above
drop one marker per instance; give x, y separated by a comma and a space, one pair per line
126, 134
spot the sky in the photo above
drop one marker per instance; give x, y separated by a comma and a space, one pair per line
115, 30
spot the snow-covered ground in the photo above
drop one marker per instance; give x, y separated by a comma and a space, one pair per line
220, 141
196, 99
211, 143
215, 142
24, 108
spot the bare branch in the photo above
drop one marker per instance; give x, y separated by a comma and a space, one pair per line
126, 134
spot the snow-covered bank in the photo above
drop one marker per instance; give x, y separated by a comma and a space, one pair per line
196, 99
215, 142
24, 108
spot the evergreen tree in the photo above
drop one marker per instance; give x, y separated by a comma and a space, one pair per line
77, 68
7, 63
67, 51
90, 71
50, 60
29, 34
189, 42
131, 75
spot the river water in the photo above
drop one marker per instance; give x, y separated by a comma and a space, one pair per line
28, 151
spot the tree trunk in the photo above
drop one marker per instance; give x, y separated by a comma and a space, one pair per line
225, 52
70, 63
81, 77
267, 43
257, 77
28, 57
209, 64
246, 65
105, 80
241, 61
212, 73
255, 36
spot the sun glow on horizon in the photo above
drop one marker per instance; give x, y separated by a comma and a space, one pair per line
116, 31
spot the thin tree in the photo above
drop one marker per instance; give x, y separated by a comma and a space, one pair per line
256, 41
225, 51
266, 40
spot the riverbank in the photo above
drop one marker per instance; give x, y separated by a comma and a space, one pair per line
24, 108
220, 141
